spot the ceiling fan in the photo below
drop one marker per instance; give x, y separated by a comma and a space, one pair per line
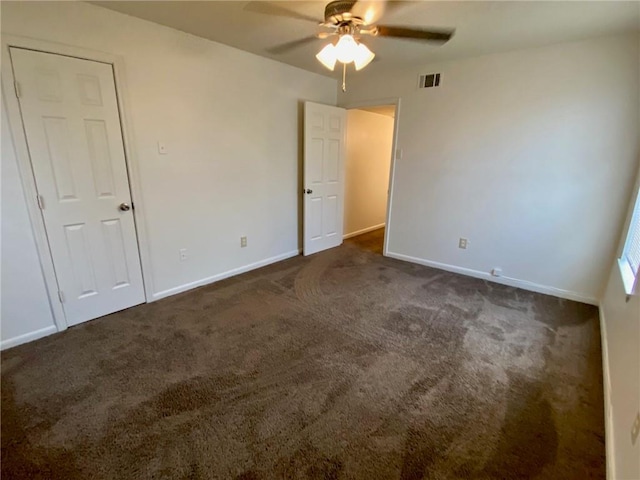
349, 21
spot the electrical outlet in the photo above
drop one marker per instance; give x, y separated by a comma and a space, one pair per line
635, 429
462, 243
183, 254
496, 272
243, 242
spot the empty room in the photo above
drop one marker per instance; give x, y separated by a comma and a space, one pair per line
320, 240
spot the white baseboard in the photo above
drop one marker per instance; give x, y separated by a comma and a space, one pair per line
511, 282
223, 275
31, 336
364, 230
27, 337
608, 414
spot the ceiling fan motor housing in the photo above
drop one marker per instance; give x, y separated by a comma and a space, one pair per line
339, 11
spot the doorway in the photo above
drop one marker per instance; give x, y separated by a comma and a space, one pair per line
369, 150
71, 122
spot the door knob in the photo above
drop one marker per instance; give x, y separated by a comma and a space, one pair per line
308, 191
124, 207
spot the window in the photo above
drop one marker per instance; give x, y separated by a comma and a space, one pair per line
630, 260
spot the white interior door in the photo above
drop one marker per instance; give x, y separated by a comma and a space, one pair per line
72, 125
324, 151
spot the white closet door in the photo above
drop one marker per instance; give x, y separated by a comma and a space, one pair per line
72, 124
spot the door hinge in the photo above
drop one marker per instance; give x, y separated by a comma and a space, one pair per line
16, 85
61, 296
40, 201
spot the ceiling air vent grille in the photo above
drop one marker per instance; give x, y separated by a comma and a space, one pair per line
429, 80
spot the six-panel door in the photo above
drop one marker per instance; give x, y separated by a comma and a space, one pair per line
324, 137
72, 125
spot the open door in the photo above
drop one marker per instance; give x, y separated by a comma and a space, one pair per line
324, 152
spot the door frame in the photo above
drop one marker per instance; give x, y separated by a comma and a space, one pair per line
23, 158
392, 164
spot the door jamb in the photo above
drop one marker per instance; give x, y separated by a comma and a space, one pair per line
25, 168
392, 164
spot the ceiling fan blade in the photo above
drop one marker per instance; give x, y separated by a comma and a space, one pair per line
285, 47
273, 8
370, 11
441, 36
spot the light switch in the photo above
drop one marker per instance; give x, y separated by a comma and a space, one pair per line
398, 154
162, 148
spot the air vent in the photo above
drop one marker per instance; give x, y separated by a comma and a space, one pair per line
429, 80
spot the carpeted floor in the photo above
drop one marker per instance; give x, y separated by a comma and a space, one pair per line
342, 365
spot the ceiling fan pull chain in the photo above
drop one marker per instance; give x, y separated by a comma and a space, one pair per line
344, 77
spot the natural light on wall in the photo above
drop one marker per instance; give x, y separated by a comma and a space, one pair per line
630, 260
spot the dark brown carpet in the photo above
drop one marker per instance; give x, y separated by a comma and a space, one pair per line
343, 365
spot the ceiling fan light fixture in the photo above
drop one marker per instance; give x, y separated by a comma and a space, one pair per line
346, 49
328, 56
363, 56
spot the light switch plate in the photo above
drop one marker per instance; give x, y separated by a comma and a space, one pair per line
162, 148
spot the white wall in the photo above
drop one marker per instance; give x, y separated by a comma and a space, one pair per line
369, 143
621, 348
230, 121
528, 154
25, 313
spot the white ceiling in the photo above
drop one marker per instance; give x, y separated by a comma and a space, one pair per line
481, 27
